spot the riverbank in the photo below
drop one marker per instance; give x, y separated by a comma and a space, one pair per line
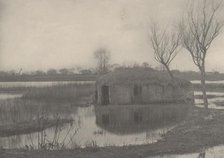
196, 132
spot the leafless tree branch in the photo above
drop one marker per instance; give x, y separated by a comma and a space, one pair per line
199, 29
165, 46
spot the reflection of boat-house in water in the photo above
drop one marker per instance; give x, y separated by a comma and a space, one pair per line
141, 86
128, 119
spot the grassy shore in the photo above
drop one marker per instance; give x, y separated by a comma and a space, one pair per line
196, 132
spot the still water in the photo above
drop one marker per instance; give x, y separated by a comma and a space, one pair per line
40, 84
4, 96
215, 102
208, 82
91, 127
215, 99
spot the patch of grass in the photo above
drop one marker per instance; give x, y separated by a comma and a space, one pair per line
22, 116
62, 93
15, 111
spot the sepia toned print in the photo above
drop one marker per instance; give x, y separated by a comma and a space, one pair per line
111, 79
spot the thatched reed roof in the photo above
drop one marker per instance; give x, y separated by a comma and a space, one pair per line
139, 76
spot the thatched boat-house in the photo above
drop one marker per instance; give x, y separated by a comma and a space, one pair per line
141, 86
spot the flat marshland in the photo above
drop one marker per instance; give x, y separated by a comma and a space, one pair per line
41, 108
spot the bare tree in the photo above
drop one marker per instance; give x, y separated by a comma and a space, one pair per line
199, 28
165, 45
102, 55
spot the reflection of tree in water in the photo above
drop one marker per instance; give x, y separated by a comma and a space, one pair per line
135, 119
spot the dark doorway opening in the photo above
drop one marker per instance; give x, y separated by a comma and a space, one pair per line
137, 94
105, 119
137, 117
105, 95
96, 96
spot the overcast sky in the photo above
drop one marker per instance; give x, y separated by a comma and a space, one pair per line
43, 34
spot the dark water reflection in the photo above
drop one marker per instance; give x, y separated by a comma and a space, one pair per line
131, 119
102, 126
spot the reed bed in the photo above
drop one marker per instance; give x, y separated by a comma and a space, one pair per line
72, 93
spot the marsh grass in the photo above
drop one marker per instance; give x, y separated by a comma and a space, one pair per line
70, 93
21, 110
20, 116
42, 107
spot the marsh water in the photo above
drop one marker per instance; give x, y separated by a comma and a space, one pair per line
40, 84
99, 126
4, 96
208, 82
215, 94
86, 131
92, 126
